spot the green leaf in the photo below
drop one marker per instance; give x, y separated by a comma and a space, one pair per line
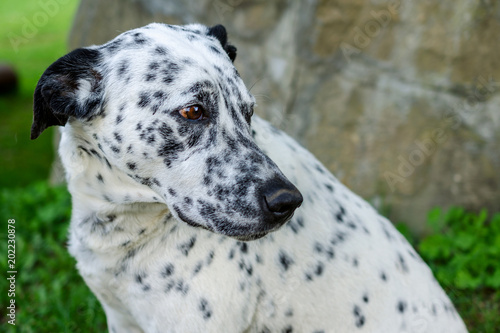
464, 241
495, 224
435, 247
493, 281
481, 218
455, 217
434, 219
466, 281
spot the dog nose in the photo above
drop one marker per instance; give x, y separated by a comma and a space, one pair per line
280, 200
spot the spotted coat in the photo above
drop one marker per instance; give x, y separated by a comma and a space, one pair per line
185, 225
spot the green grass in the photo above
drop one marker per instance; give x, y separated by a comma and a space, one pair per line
23, 160
50, 295
463, 251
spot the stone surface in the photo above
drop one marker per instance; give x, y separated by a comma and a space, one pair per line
398, 98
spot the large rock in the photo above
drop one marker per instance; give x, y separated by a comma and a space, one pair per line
399, 99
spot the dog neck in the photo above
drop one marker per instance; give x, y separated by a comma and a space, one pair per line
90, 174
105, 198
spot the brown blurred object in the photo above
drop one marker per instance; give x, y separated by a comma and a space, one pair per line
8, 79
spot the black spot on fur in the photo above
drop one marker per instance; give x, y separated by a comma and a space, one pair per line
197, 268
247, 267
169, 286
243, 247
358, 316
167, 79
119, 119
118, 137
403, 264
140, 277
167, 271
170, 147
188, 201
182, 287
205, 309
187, 246
139, 39
113, 45
285, 260
130, 254
214, 49
401, 306
144, 99
319, 269
160, 50
159, 94
122, 68
210, 257
131, 165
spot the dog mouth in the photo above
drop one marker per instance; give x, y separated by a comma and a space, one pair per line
250, 237
261, 234
252, 231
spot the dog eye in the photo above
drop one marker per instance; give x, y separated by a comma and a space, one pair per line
193, 112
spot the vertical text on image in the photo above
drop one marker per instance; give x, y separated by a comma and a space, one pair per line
11, 272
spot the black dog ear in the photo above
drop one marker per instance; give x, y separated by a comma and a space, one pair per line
71, 86
219, 32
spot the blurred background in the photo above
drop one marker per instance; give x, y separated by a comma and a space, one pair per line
399, 99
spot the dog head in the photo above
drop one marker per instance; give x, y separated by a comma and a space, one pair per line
165, 106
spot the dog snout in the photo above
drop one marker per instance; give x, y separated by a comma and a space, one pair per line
280, 199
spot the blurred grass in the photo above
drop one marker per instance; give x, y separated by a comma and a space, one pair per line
463, 252
50, 294
23, 160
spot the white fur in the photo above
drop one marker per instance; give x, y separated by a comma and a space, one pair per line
331, 281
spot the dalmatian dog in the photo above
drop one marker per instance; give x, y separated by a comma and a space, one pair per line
192, 215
